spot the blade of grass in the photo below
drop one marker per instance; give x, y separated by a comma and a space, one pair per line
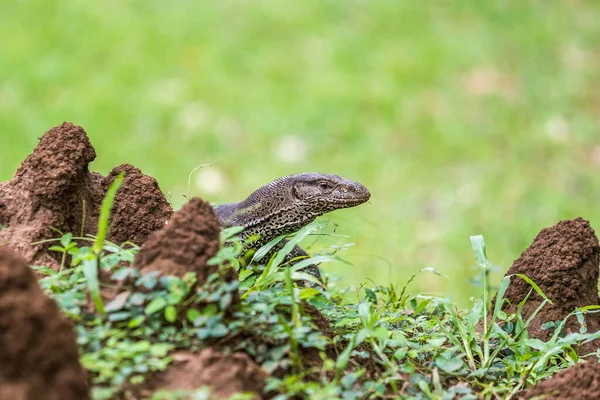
105, 213
535, 287
90, 271
478, 246
90, 263
192, 173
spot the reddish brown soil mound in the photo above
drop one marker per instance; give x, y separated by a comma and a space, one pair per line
226, 374
38, 357
140, 207
53, 186
563, 261
581, 382
185, 244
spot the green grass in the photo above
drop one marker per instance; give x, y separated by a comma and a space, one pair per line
461, 118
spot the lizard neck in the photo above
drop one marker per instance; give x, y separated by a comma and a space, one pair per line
269, 212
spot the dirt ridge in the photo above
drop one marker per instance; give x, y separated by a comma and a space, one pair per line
563, 261
39, 357
53, 188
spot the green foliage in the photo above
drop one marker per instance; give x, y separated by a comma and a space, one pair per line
151, 316
384, 339
66, 244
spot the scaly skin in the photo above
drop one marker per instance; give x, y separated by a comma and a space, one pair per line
287, 204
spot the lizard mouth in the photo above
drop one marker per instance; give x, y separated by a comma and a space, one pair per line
351, 195
352, 202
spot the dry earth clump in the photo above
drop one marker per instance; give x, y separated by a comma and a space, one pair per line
38, 354
563, 261
54, 188
140, 207
581, 382
185, 244
226, 374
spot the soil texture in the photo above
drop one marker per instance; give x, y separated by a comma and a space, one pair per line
38, 354
140, 207
185, 244
53, 188
581, 382
563, 262
226, 374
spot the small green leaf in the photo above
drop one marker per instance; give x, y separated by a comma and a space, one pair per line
228, 233
449, 365
121, 274
348, 380
141, 346
219, 330
380, 333
137, 321
245, 274
548, 325
119, 316
155, 305
400, 353
137, 299
308, 293
171, 313
66, 239
203, 333
422, 306
225, 301
264, 250
137, 379
192, 314
371, 296
160, 349
210, 310
478, 245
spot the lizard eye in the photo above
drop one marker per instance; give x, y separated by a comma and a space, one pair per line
323, 185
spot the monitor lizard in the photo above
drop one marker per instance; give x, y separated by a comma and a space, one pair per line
286, 205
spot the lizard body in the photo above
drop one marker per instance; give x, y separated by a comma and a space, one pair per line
289, 203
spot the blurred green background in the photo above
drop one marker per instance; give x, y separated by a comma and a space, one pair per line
462, 118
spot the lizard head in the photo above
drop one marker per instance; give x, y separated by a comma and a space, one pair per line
324, 193
289, 203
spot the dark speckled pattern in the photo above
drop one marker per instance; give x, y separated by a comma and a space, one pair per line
287, 204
